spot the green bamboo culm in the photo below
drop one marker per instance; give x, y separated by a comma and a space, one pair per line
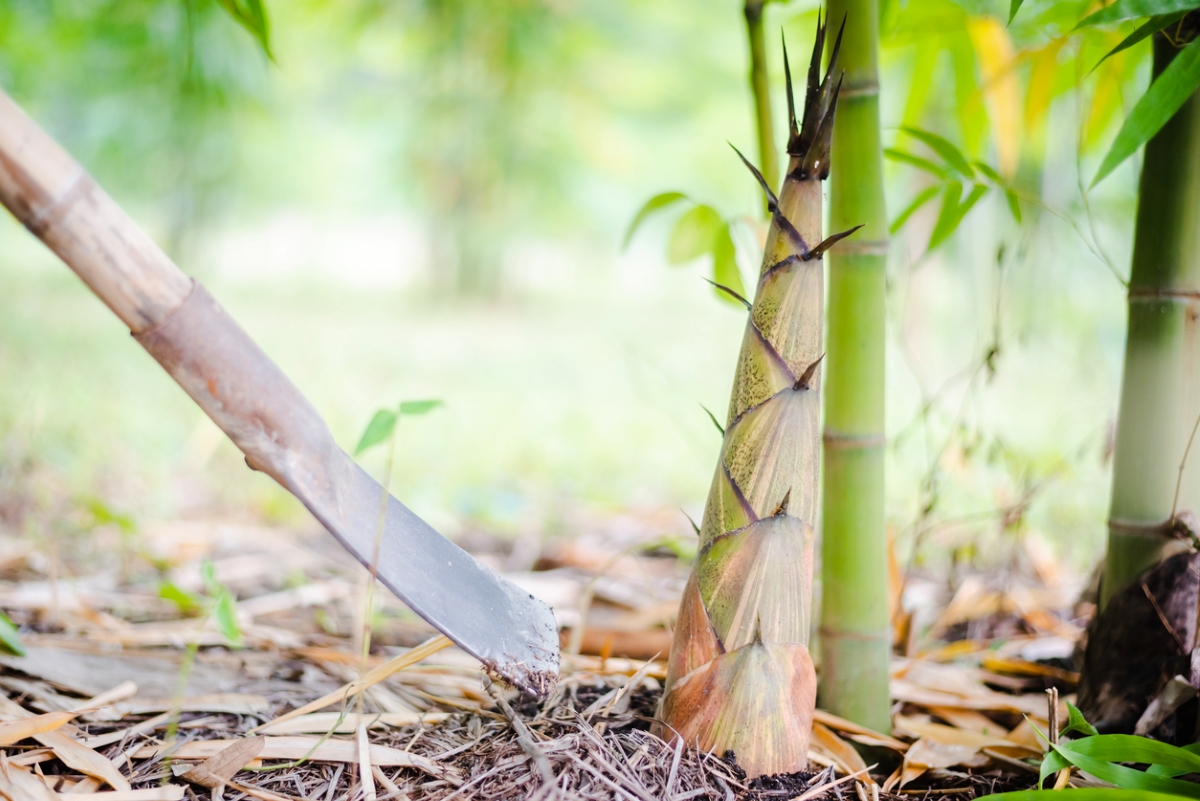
855, 634
1160, 390
740, 678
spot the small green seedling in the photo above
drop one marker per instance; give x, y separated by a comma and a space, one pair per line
383, 424
10, 638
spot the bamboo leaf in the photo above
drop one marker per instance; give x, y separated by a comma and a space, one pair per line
10, 638
379, 429
1129, 748
1121, 776
694, 235
1080, 794
1052, 763
654, 204
915, 161
725, 269
251, 15
1014, 203
954, 208
920, 200
225, 615
1164, 97
952, 155
1013, 8
417, 407
948, 217
188, 603
1077, 723
1132, 9
1144, 31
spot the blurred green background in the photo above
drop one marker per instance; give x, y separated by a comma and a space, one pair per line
428, 199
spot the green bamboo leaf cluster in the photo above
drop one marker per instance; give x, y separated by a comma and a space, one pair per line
1166, 95
699, 231
1169, 90
1081, 794
953, 172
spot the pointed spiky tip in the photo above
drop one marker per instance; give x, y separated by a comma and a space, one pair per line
793, 128
782, 508
805, 379
811, 143
829, 242
736, 296
772, 201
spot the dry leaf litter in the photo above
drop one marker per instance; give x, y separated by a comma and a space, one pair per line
126, 695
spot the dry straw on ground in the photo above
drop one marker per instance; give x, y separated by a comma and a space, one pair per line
109, 701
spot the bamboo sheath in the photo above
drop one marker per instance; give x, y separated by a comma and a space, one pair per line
55, 198
740, 678
1160, 389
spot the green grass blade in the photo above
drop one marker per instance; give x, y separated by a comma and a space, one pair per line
952, 155
1013, 8
1144, 31
654, 204
1164, 97
1132, 9
379, 429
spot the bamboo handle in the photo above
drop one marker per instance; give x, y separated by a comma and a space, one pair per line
55, 198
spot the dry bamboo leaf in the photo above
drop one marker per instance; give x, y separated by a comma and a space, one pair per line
78, 756
364, 763
19, 784
927, 754
23, 729
101, 740
122, 692
337, 723
165, 792
85, 785
32, 757
970, 720
1022, 667
258, 792
315, 749
228, 703
846, 758
948, 735
221, 767
850, 727
374, 676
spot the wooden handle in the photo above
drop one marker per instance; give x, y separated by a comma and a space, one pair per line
61, 205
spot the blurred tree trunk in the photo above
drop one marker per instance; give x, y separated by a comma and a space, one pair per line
1160, 391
